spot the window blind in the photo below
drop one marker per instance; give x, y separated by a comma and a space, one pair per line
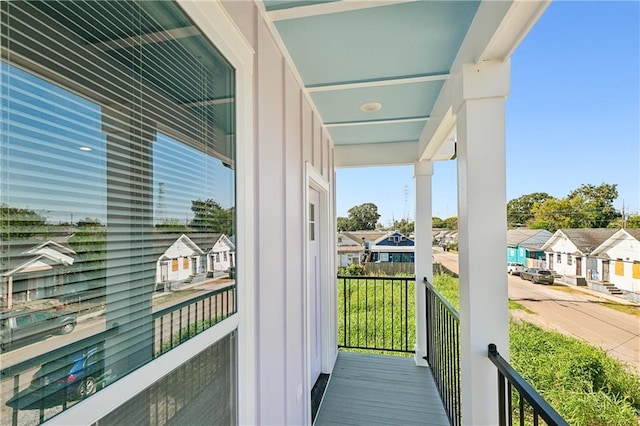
117, 179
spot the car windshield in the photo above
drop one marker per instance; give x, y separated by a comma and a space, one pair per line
544, 272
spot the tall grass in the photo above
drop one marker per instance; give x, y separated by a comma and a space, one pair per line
585, 385
377, 314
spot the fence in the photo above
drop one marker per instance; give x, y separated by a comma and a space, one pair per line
531, 406
376, 313
443, 350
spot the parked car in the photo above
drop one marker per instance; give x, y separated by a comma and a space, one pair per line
23, 325
514, 268
537, 275
75, 376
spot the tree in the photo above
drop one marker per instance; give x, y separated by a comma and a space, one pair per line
210, 216
17, 223
436, 222
519, 210
597, 204
451, 223
343, 224
403, 226
363, 217
588, 206
633, 221
172, 226
90, 245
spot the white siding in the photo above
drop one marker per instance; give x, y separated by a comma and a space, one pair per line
287, 134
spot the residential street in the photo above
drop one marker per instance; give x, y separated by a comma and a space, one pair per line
572, 311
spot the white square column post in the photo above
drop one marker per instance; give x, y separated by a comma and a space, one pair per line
423, 171
479, 102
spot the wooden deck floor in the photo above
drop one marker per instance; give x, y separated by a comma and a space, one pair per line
380, 390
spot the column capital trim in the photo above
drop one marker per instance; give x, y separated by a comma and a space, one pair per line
482, 80
423, 168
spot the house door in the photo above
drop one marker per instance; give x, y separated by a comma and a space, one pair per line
605, 271
164, 272
315, 314
551, 261
578, 266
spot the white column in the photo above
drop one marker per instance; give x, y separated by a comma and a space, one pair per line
479, 104
424, 254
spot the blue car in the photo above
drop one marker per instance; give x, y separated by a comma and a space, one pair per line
75, 376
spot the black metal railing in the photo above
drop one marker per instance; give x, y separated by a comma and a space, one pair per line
531, 407
376, 313
22, 391
177, 323
31, 400
443, 350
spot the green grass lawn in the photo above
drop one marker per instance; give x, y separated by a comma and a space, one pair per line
584, 384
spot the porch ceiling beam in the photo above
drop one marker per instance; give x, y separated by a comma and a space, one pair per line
327, 8
376, 83
150, 38
369, 122
376, 154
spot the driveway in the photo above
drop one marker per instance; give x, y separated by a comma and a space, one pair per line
573, 312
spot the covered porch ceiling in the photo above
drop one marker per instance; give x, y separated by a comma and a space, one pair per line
380, 73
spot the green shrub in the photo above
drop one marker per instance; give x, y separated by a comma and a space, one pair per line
351, 270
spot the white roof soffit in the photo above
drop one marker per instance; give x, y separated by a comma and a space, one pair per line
496, 31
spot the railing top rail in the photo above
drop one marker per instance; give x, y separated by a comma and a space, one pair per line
444, 301
191, 301
57, 353
375, 277
546, 411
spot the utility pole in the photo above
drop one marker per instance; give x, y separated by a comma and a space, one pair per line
623, 216
406, 203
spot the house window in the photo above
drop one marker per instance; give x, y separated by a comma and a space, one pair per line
569, 259
635, 270
217, 257
619, 267
312, 222
224, 255
558, 258
108, 125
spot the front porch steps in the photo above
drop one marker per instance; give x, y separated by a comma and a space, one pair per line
612, 289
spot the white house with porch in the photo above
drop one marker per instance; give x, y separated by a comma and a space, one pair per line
619, 257
180, 261
567, 250
256, 103
221, 256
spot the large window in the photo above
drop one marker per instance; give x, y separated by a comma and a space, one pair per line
117, 178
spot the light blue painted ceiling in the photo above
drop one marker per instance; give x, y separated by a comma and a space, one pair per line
349, 53
408, 39
400, 101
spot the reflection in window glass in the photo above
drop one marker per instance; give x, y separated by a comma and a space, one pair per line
117, 194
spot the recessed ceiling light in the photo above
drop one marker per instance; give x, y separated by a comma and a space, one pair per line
85, 148
370, 106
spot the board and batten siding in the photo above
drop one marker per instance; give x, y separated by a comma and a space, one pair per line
288, 135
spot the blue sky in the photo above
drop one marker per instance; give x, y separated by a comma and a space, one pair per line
572, 116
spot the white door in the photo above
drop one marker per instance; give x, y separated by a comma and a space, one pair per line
315, 314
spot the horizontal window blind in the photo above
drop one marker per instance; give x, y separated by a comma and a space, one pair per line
117, 194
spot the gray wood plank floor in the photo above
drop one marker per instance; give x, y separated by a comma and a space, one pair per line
380, 390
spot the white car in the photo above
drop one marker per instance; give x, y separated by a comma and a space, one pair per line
514, 268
